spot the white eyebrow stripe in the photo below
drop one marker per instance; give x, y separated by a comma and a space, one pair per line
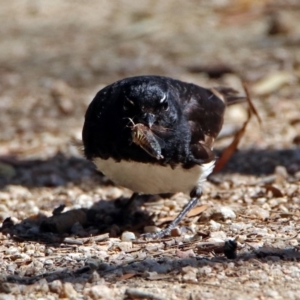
163, 98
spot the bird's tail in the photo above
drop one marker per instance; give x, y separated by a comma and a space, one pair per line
228, 95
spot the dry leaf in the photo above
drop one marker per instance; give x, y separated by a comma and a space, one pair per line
250, 103
192, 213
156, 276
127, 276
234, 144
231, 148
272, 83
164, 220
276, 192
197, 210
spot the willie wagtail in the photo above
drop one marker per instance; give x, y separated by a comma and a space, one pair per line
155, 134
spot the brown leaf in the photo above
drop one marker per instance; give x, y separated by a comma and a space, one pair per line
127, 276
165, 220
192, 213
197, 210
296, 139
228, 152
250, 103
295, 121
231, 148
274, 190
156, 276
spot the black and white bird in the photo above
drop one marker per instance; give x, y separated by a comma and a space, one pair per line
155, 135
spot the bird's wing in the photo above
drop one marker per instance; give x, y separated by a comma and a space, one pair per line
203, 109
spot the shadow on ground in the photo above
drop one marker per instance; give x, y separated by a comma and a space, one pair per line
60, 170
263, 162
113, 217
163, 267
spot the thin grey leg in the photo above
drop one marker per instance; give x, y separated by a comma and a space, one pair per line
192, 203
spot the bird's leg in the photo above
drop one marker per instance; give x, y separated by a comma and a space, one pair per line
195, 196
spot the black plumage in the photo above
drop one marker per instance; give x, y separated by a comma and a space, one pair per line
183, 120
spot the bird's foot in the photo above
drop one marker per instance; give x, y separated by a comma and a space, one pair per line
157, 235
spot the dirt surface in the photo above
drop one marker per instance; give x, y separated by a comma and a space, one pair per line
67, 232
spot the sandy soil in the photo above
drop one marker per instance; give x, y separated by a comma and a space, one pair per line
54, 57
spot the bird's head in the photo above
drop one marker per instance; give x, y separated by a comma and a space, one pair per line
149, 102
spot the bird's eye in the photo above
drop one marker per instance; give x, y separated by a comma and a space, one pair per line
127, 103
165, 106
164, 103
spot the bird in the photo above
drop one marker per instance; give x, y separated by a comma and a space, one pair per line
154, 135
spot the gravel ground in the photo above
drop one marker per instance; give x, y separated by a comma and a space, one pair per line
66, 230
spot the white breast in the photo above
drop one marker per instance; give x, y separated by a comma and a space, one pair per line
153, 179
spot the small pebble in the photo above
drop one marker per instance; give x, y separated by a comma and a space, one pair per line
7, 288
100, 291
239, 226
95, 277
190, 274
151, 229
48, 262
125, 246
127, 236
217, 236
56, 287
93, 263
259, 212
43, 286
293, 243
272, 294
185, 254
280, 175
204, 271
215, 226
176, 232
69, 291
227, 212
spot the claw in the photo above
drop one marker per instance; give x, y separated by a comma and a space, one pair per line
157, 235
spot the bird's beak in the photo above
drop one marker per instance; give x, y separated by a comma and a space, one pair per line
150, 119
147, 119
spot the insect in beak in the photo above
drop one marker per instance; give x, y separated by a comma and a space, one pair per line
143, 137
